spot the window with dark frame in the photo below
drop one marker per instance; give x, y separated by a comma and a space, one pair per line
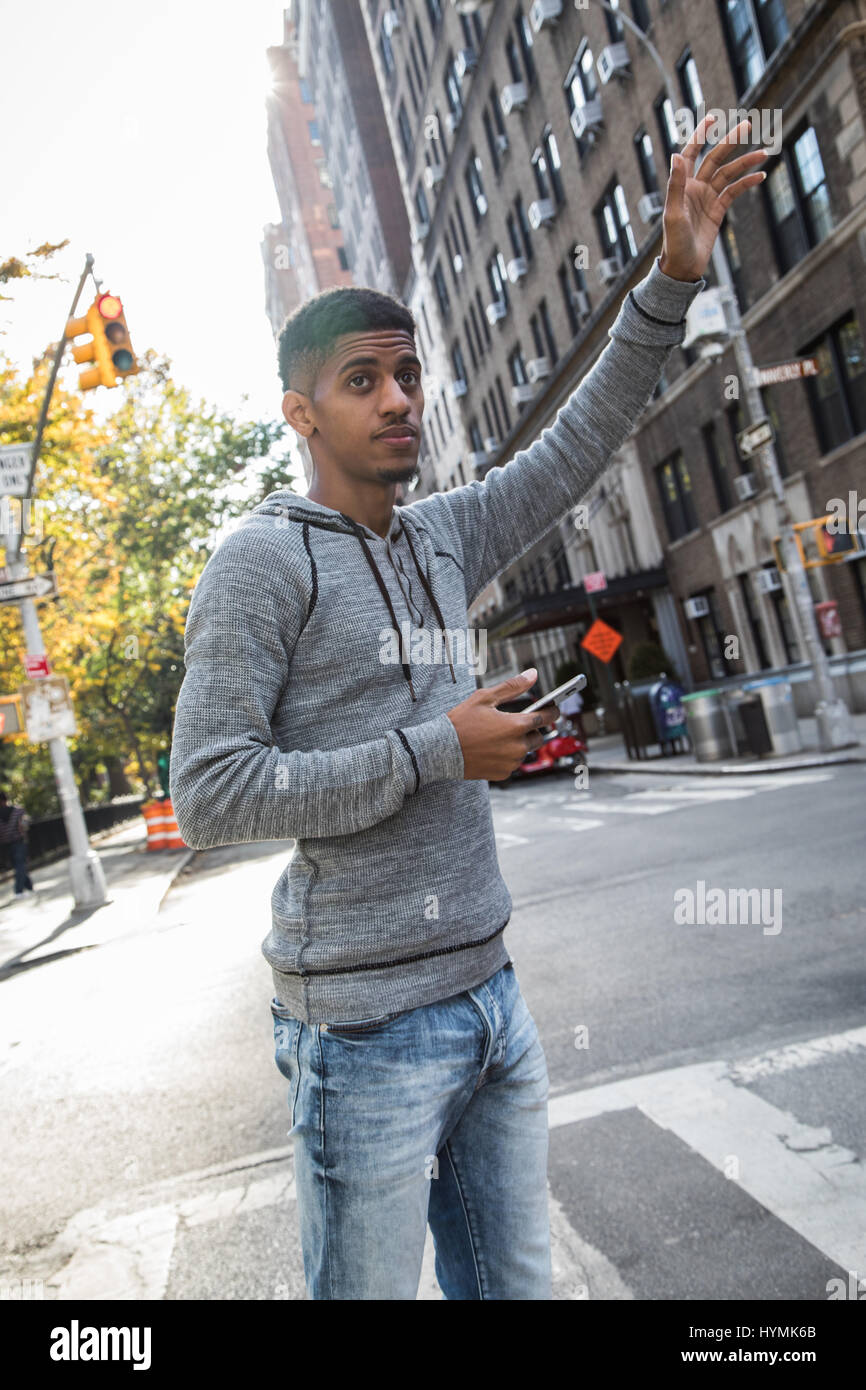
837, 395
675, 492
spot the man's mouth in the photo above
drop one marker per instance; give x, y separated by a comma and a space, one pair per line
398, 434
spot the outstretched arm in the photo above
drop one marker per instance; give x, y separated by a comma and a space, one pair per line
499, 518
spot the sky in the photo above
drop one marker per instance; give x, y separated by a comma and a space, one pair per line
139, 132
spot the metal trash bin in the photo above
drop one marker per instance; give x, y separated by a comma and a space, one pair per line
777, 700
758, 738
708, 725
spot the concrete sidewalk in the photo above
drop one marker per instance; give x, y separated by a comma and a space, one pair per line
45, 924
609, 754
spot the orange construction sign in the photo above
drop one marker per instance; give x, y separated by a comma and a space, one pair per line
602, 640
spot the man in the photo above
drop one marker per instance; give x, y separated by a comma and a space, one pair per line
14, 824
328, 698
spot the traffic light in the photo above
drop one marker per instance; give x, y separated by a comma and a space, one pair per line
836, 541
110, 349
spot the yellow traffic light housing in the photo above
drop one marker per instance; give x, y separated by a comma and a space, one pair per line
109, 349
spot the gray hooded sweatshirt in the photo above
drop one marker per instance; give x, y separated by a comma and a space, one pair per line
314, 704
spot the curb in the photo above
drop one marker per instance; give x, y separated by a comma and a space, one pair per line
179, 867
663, 767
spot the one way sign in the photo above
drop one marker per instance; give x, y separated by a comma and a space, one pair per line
33, 586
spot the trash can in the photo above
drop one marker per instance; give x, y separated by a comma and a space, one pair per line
751, 712
708, 725
777, 701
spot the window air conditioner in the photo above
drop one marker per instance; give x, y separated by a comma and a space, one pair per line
522, 392
476, 460
466, 61
697, 607
433, 174
459, 387
769, 580
538, 368
513, 97
586, 119
580, 301
650, 206
516, 269
613, 60
390, 22
544, 12
502, 143
744, 486
541, 212
491, 444
610, 270
496, 311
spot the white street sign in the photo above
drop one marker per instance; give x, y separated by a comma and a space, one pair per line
14, 469
34, 586
785, 371
48, 711
750, 440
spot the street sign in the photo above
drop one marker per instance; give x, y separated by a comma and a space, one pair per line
828, 619
594, 583
34, 586
602, 640
785, 371
48, 711
36, 664
15, 469
750, 440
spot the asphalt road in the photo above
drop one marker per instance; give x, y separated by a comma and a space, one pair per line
708, 1101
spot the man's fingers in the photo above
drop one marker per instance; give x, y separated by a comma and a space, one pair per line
747, 163
741, 186
715, 156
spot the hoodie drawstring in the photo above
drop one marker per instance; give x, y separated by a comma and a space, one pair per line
405, 660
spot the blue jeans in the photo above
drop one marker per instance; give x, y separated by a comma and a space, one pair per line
436, 1114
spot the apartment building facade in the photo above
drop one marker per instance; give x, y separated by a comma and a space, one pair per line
533, 142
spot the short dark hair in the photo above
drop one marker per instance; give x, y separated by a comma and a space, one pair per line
3, 796
309, 335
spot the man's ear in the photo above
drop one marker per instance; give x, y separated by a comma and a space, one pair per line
296, 412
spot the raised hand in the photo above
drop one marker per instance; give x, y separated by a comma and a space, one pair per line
697, 203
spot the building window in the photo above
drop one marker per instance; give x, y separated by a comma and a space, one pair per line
387, 52
548, 169
483, 317
313, 128
434, 13
333, 215
453, 94
501, 393
306, 94
690, 82
421, 205
837, 395
458, 208
491, 142
524, 39
614, 225
646, 162
667, 124
773, 416
753, 31
640, 14
475, 187
797, 200
547, 327
468, 336
615, 27
441, 290
783, 619
718, 469
581, 87
675, 490
343, 258
405, 128
419, 39
497, 277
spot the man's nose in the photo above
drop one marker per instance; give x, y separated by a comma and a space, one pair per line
393, 399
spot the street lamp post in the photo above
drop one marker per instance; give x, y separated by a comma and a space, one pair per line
835, 727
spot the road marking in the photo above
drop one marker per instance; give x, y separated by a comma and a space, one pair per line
692, 794
795, 1171
582, 824
507, 837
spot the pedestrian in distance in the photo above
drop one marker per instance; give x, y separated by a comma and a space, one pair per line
329, 699
14, 825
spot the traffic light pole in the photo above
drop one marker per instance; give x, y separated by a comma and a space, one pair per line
85, 867
835, 726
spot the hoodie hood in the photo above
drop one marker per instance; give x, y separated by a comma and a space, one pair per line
308, 514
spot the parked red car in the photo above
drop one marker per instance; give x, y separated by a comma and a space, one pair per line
560, 751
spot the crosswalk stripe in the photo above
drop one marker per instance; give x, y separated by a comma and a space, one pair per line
795, 1171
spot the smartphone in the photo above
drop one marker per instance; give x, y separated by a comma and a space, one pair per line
576, 683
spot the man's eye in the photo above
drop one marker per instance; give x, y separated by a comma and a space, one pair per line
361, 376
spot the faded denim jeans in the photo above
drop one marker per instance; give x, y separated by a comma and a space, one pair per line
436, 1114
